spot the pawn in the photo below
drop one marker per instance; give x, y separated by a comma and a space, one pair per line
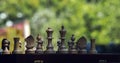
93, 48
72, 48
30, 45
59, 45
39, 49
17, 46
5, 46
81, 45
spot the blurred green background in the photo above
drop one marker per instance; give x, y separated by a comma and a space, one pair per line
97, 19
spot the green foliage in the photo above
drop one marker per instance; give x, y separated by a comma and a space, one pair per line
93, 19
13, 7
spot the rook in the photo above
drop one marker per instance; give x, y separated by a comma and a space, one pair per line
17, 46
92, 48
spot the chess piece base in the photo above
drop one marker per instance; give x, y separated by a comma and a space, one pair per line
39, 51
63, 51
17, 52
49, 51
93, 52
83, 51
30, 51
73, 51
5, 52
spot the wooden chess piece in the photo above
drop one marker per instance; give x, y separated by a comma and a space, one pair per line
58, 44
93, 48
49, 48
5, 46
72, 48
63, 48
30, 45
39, 49
1, 51
81, 45
17, 46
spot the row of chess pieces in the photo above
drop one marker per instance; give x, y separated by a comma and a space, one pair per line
73, 48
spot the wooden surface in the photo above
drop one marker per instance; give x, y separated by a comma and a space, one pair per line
60, 58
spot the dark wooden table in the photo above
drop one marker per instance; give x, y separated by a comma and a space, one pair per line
60, 58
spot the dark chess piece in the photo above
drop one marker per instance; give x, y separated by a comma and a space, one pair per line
30, 45
17, 46
49, 48
1, 51
62, 48
5, 46
93, 48
58, 44
72, 48
81, 45
39, 49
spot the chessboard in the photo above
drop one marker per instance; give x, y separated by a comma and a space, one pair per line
60, 58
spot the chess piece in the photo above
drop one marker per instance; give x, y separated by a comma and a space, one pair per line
63, 48
39, 49
17, 46
58, 44
1, 51
49, 48
30, 45
5, 46
81, 45
92, 48
72, 48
